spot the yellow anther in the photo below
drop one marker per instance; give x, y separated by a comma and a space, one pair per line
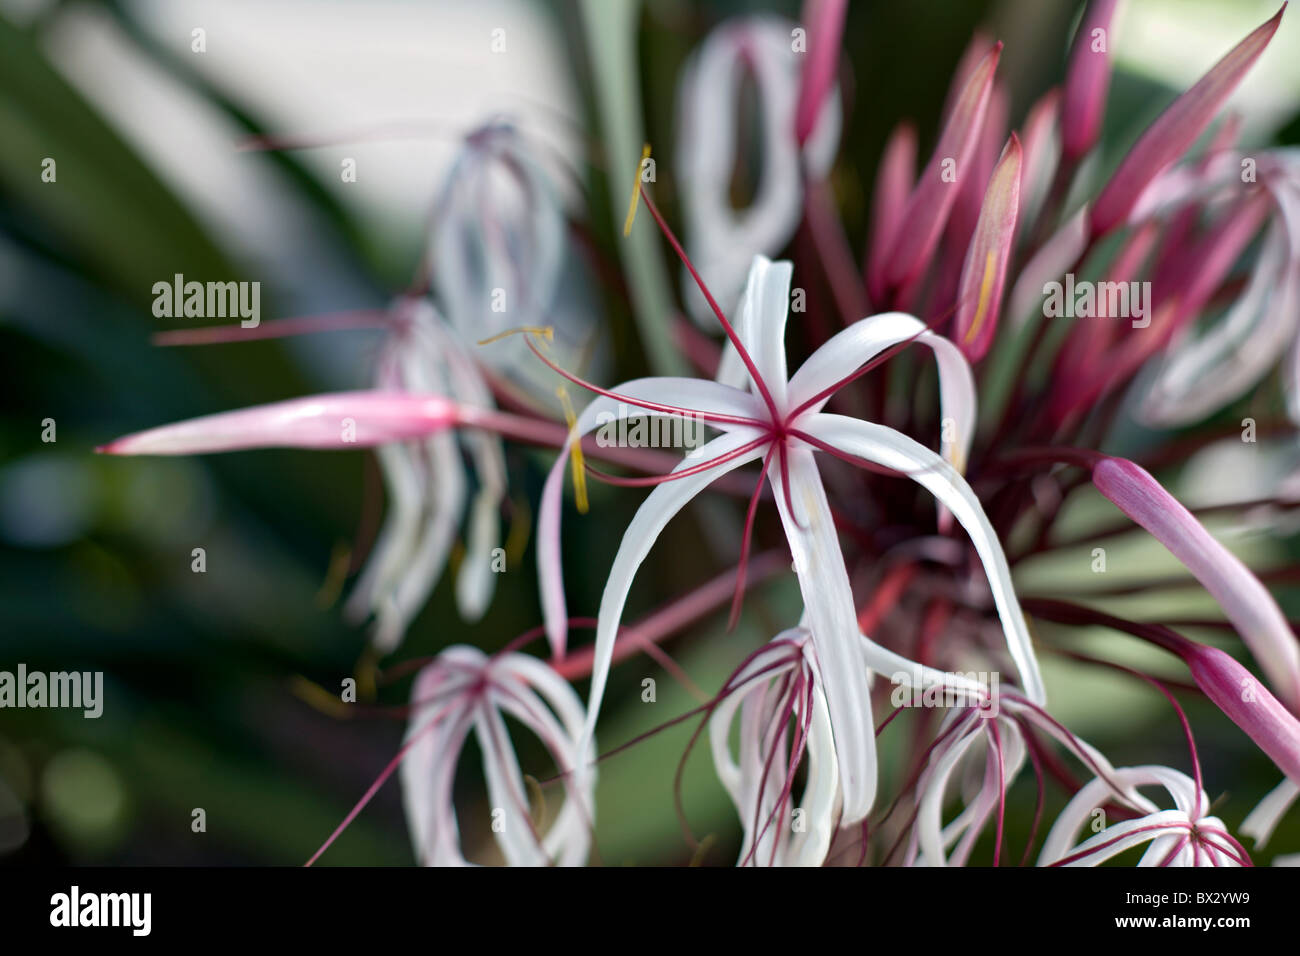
545, 331
579, 468
636, 192
982, 307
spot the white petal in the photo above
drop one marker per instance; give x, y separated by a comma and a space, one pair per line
655, 512
849, 350
721, 239
1202, 374
696, 394
1263, 820
761, 329
832, 619
887, 447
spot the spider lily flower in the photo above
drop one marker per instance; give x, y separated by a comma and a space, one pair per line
1245, 601
931, 842
426, 485
1183, 836
1176, 129
723, 240
779, 422
779, 683
994, 764
463, 689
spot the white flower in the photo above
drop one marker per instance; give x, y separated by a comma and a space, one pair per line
779, 421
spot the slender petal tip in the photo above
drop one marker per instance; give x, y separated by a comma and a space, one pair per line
1174, 131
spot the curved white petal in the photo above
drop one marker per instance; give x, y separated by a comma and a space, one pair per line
1263, 820
655, 512
761, 329
722, 240
696, 394
832, 619
850, 349
887, 447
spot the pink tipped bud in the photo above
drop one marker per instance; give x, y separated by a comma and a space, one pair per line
927, 209
1248, 704
1170, 136
1087, 80
824, 21
1245, 601
979, 296
341, 420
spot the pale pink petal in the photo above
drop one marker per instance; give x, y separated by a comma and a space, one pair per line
1246, 602
894, 181
337, 421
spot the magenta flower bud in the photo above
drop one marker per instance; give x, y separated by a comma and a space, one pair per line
1248, 704
1245, 601
1174, 131
979, 296
824, 21
1087, 80
340, 420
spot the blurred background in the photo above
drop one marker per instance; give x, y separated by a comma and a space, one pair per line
221, 687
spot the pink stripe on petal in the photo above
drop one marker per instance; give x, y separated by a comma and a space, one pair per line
1246, 602
1176, 129
1087, 80
824, 21
1248, 704
979, 295
928, 207
341, 420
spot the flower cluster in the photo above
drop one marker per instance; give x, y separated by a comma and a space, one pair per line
999, 420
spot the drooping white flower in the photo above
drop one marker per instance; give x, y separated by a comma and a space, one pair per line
465, 690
